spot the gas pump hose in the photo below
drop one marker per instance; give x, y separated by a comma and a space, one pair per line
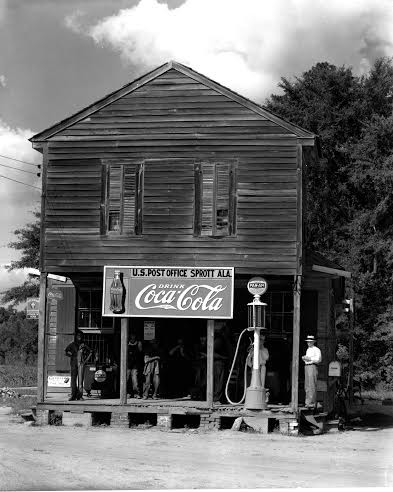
230, 373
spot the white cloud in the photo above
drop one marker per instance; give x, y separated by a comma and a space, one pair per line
13, 278
248, 45
16, 200
3, 81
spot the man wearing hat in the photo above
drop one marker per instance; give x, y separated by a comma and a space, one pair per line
312, 358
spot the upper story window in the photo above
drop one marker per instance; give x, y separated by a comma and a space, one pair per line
123, 199
215, 199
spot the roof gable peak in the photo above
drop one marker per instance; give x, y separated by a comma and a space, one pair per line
157, 72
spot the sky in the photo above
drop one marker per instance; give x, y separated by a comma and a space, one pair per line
58, 56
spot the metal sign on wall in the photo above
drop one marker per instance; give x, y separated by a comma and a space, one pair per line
32, 308
168, 292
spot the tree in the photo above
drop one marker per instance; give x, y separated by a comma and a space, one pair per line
28, 242
349, 193
18, 338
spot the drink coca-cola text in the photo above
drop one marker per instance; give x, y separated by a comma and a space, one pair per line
194, 297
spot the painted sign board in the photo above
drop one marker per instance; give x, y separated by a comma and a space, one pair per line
32, 308
60, 381
168, 292
55, 294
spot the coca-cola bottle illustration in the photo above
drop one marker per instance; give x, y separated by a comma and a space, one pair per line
116, 292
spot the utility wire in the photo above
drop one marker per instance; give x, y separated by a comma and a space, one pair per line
20, 182
18, 160
17, 169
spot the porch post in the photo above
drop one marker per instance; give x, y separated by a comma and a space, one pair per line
41, 369
123, 360
296, 343
210, 362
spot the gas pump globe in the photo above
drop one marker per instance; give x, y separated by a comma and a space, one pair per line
255, 393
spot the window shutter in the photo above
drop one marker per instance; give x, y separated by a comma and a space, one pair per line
114, 198
232, 200
208, 175
221, 212
129, 200
140, 179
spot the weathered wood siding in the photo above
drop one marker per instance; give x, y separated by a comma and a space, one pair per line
172, 123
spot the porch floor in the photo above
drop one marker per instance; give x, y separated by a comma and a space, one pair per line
59, 401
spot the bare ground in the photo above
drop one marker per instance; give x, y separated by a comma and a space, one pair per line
60, 458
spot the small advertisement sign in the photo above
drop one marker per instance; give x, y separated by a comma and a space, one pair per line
168, 292
59, 381
32, 308
149, 330
55, 294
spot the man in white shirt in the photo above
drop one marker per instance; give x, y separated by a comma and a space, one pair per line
312, 358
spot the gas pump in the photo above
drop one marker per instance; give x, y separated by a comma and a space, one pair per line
255, 395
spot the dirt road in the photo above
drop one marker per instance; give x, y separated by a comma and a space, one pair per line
53, 458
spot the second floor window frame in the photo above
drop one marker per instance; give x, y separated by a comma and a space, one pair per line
133, 173
216, 229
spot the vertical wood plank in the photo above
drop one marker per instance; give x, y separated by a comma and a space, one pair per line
297, 281
299, 202
41, 367
123, 360
210, 361
296, 343
43, 206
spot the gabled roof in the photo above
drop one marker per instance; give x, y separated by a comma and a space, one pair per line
132, 86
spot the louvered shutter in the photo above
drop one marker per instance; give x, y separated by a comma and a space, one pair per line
208, 175
221, 212
129, 199
114, 198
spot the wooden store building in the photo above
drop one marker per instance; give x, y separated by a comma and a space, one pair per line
160, 202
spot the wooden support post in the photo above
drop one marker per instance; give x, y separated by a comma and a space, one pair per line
41, 369
297, 281
123, 360
210, 362
351, 355
296, 343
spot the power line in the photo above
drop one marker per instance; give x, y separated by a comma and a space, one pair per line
18, 160
20, 182
17, 169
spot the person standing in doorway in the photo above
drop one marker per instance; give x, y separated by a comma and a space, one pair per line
135, 362
151, 370
311, 360
79, 354
220, 361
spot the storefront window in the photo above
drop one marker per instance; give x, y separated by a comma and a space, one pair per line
279, 313
89, 313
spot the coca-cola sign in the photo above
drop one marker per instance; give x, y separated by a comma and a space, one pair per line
168, 292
